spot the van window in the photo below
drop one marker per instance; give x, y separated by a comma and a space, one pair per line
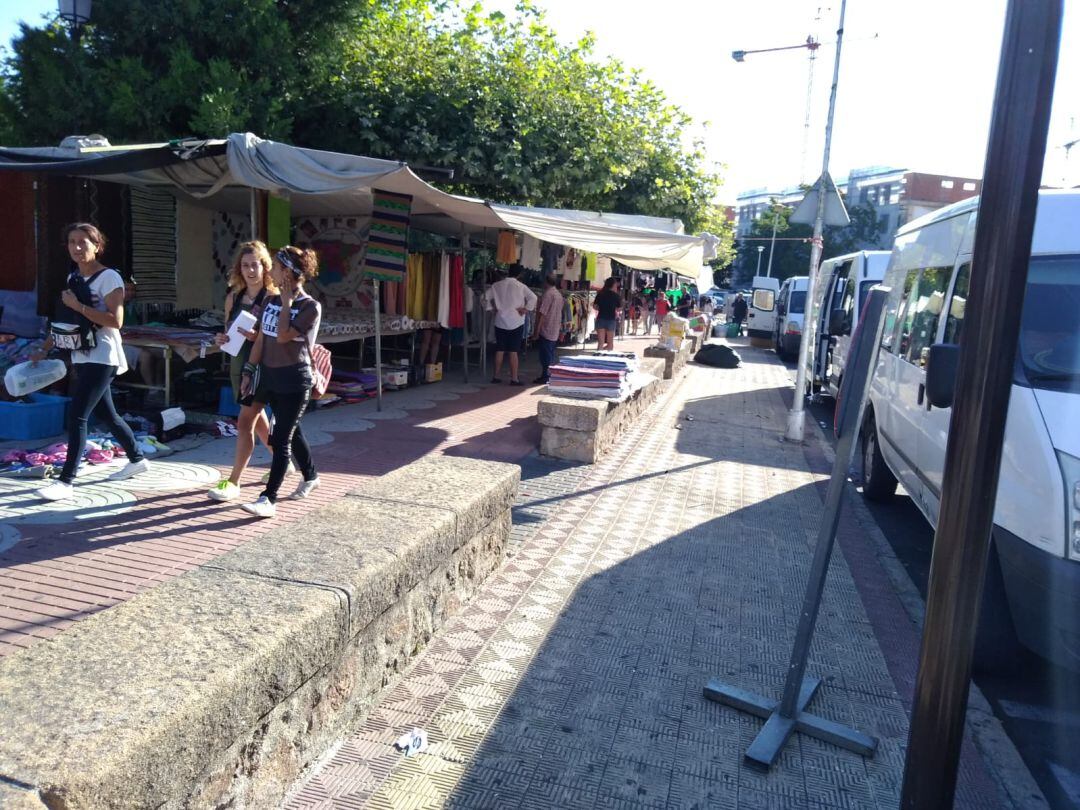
764, 300
1050, 323
847, 304
924, 301
957, 304
798, 301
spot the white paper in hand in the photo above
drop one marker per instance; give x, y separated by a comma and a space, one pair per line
245, 320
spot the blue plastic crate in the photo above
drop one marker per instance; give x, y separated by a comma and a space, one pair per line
43, 416
227, 403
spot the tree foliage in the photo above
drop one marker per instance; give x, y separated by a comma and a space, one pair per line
519, 115
792, 250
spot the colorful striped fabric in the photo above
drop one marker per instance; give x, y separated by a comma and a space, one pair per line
384, 258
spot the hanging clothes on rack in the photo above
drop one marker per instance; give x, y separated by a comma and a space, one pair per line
443, 309
530, 252
457, 291
506, 252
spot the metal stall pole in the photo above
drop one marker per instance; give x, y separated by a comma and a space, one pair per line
483, 316
464, 315
378, 344
983, 381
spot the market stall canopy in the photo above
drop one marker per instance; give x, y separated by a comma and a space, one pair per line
220, 173
636, 247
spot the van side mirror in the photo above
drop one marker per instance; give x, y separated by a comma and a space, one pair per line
941, 374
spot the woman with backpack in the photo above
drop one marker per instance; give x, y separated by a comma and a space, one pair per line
281, 371
249, 285
94, 300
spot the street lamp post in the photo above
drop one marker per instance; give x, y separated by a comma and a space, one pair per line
76, 13
760, 248
797, 416
772, 242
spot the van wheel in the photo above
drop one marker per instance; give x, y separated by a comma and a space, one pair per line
997, 647
879, 484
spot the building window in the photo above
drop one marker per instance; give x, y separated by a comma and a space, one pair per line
969, 186
894, 198
946, 183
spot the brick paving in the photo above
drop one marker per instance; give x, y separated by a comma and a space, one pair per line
574, 678
59, 564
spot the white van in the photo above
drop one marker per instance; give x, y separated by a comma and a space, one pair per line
761, 317
843, 282
1033, 583
790, 306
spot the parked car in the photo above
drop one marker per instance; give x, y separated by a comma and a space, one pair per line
842, 285
1033, 582
790, 305
761, 319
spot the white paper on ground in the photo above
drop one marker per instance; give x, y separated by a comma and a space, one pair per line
245, 320
172, 417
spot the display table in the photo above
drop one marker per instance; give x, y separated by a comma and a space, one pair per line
584, 429
673, 360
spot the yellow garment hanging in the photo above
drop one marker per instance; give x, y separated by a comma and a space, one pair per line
507, 249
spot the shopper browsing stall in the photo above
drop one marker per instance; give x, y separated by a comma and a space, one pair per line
249, 285
548, 326
280, 372
510, 300
607, 304
95, 298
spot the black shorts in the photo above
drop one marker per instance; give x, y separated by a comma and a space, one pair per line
508, 340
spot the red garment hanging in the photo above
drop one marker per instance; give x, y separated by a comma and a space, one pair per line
457, 292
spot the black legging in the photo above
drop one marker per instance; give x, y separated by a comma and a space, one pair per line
286, 436
92, 395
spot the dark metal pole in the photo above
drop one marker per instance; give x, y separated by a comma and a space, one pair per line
1013, 170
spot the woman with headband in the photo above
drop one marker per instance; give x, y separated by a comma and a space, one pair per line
279, 372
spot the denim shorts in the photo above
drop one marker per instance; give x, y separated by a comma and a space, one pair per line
603, 323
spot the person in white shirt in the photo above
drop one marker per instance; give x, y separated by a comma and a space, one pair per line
509, 299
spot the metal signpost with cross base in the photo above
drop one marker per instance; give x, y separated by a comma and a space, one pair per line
790, 715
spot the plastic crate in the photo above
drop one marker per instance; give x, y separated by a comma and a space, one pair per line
227, 403
43, 416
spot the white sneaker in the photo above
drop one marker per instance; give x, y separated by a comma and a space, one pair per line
130, 469
288, 471
58, 491
305, 489
262, 507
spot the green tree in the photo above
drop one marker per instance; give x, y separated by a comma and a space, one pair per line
792, 252
519, 116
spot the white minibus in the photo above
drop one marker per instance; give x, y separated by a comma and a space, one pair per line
843, 282
761, 316
790, 306
1033, 583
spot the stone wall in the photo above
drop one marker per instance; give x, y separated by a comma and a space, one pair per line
217, 688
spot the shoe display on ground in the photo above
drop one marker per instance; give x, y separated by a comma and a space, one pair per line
261, 507
305, 489
58, 491
224, 491
132, 468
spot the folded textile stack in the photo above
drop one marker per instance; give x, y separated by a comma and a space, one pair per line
603, 375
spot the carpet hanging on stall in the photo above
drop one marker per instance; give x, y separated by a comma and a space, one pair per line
153, 245
384, 258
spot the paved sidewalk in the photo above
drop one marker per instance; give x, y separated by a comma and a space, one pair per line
574, 678
60, 563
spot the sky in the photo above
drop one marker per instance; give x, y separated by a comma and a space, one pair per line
915, 89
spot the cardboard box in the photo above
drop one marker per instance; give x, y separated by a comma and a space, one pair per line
397, 379
433, 372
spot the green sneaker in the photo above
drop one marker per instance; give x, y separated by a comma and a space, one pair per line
224, 491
